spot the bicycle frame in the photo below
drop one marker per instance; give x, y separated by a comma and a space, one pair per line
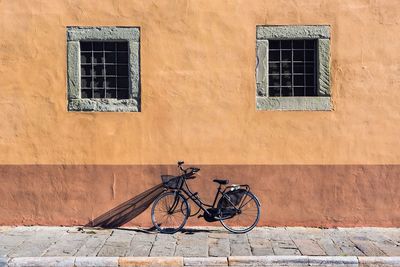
188, 194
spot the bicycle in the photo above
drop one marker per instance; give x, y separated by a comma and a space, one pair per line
235, 207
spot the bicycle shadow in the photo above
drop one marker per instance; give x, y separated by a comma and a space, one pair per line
132, 208
187, 231
127, 210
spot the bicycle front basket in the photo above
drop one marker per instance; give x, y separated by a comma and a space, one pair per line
170, 181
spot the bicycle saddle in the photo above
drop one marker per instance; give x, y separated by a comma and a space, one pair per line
221, 181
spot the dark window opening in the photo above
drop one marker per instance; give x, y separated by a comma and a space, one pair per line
292, 68
104, 69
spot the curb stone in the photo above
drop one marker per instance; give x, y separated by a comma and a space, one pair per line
268, 260
378, 261
3, 262
96, 262
343, 261
348, 261
210, 261
150, 261
42, 262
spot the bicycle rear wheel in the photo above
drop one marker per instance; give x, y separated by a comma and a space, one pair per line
245, 218
170, 212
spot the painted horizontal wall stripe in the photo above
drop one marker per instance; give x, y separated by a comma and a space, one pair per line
306, 195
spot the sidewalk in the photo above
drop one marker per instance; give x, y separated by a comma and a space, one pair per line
264, 246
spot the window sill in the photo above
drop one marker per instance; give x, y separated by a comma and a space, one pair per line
317, 103
103, 105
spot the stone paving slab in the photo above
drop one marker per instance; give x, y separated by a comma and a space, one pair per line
239, 245
164, 245
347, 247
141, 245
218, 244
92, 246
309, 247
329, 247
67, 245
185, 245
198, 242
116, 244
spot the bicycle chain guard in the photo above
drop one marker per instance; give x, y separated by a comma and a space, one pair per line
216, 214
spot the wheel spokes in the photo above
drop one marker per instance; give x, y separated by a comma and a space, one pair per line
169, 213
246, 218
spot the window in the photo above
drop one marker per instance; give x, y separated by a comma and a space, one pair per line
103, 69
292, 68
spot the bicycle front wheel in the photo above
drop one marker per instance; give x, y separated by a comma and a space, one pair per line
170, 212
246, 214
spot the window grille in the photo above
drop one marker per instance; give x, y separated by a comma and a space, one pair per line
104, 69
292, 68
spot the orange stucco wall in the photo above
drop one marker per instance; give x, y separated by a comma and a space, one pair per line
198, 104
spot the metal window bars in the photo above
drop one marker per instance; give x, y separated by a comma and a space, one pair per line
104, 69
292, 68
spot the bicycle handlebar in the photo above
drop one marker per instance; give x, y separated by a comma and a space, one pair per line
190, 170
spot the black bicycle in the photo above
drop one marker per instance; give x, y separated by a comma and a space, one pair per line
235, 206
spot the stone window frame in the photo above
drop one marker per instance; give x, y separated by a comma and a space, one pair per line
320, 33
76, 34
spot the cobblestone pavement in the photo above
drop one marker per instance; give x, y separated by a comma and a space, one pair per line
197, 242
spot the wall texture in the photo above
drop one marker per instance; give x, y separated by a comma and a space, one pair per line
198, 104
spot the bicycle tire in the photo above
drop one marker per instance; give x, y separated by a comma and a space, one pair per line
241, 226
163, 221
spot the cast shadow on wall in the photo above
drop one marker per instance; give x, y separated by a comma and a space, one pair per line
128, 210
